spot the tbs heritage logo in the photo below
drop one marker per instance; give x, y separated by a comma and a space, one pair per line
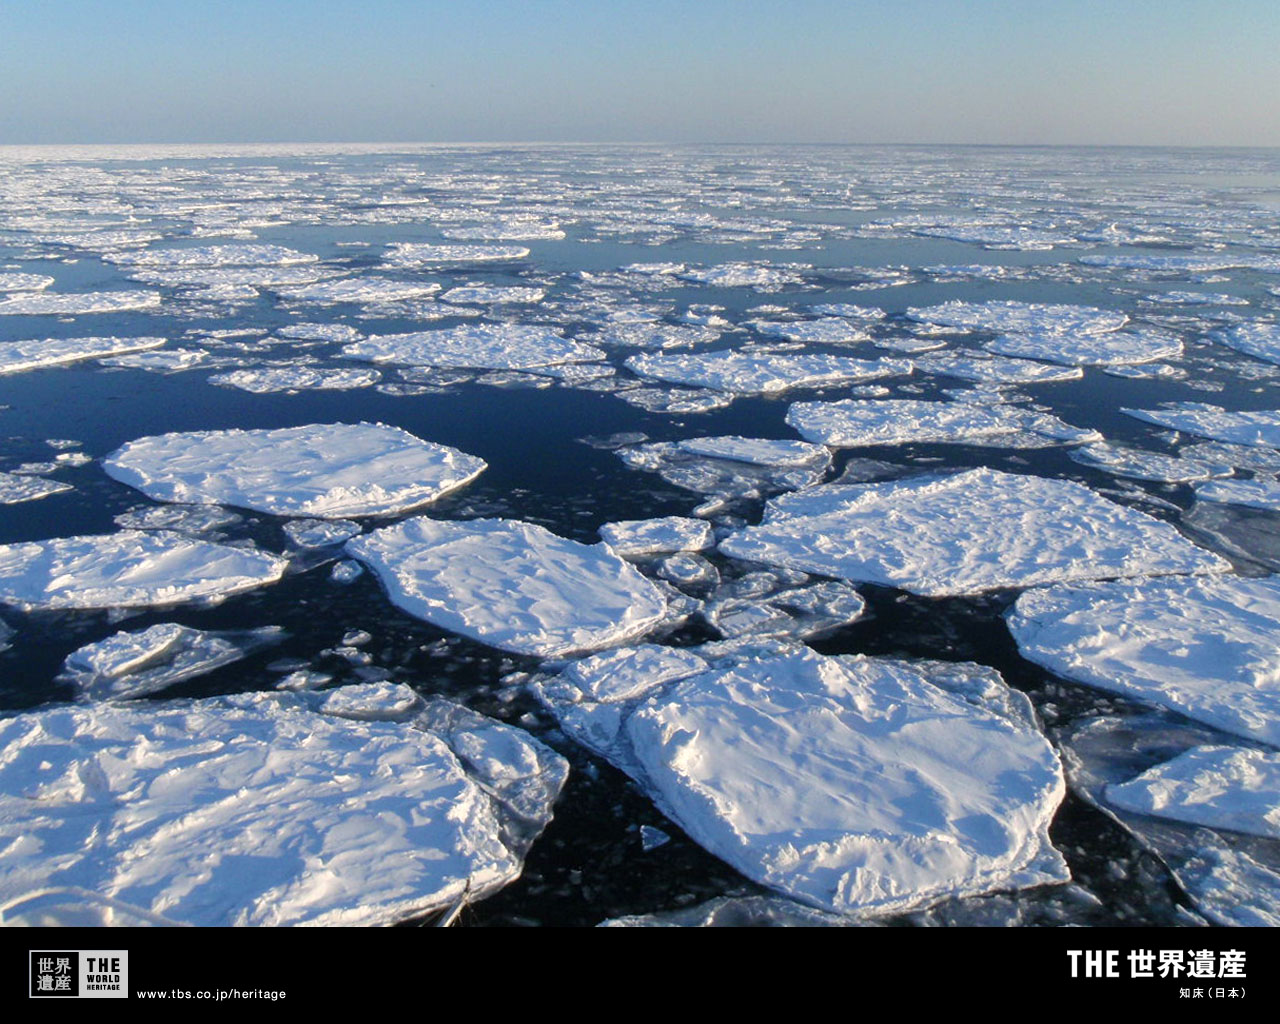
80, 973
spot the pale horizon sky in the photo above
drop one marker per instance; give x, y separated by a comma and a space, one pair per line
998, 72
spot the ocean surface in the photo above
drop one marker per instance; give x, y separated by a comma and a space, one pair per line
662, 254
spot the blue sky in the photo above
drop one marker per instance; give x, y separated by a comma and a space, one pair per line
1192, 72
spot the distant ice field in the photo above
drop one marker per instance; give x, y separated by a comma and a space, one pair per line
658, 501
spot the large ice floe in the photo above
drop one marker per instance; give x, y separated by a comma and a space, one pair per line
1117, 348
1204, 647
762, 373
414, 254
512, 585
994, 369
357, 806
964, 533
475, 346
1260, 428
289, 379
330, 470
126, 665
853, 784
129, 569
1021, 317
17, 356
855, 423
1233, 788
1260, 340
77, 303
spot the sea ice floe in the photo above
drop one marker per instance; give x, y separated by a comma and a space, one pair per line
130, 569
1021, 317
512, 585
652, 536
1203, 647
676, 401
167, 361
654, 336
1260, 428
17, 356
320, 332
320, 533
1261, 340
414, 254
732, 467
273, 379
10, 282
357, 290
1139, 464
744, 275
762, 373
1085, 349
344, 818
1197, 299
765, 604
190, 519
212, 256
16, 488
827, 331
853, 784
328, 471
994, 369
1233, 788
77, 304
855, 423
477, 346
508, 229
964, 533
847, 309
128, 665
1264, 494
494, 295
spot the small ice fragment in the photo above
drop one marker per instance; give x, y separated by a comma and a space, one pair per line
15, 488
18, 356
763, 373
1264, 494
1260, 428
320, 533
651, 838
651, 536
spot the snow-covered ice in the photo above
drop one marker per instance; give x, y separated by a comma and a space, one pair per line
1139, 464
964, 533
414, 254
1204, 647
478, 346
17, 356
358, 290
127, 665
77, 304
1233, 788
652, 536
275, 379
1260, 428
16, 488
1021, 317
1116, 348
1264, 494
993, 369
761, 373
1261, 340
852, 784
512, 585
130, 569
321, 470
271, 808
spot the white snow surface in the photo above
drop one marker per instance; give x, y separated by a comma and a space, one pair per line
761, 373
994, 369
1264, 494
964, 533
271, 808
413, 254
77, 303
1138, 464
17, 356
1260, 428
854, 423
478, 346
274, 379
358, 290
1021, 317
1204, 647
1117, 348
756, 451
512, 585
16, 488
127, 665
1233, 788
649, 536
1260, 340
129, 569
329, 471
212, 256
853, 784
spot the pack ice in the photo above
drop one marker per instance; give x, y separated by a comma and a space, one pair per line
478, 346
512, 585
855, 423
328, 471
359, 806
1232, 788
126, 665
1260, 428
1260, 340
78, 303
1204, 647
129, 569
1021, 317
761, 373
16, 356
853, 784
964, 533
1118, 348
